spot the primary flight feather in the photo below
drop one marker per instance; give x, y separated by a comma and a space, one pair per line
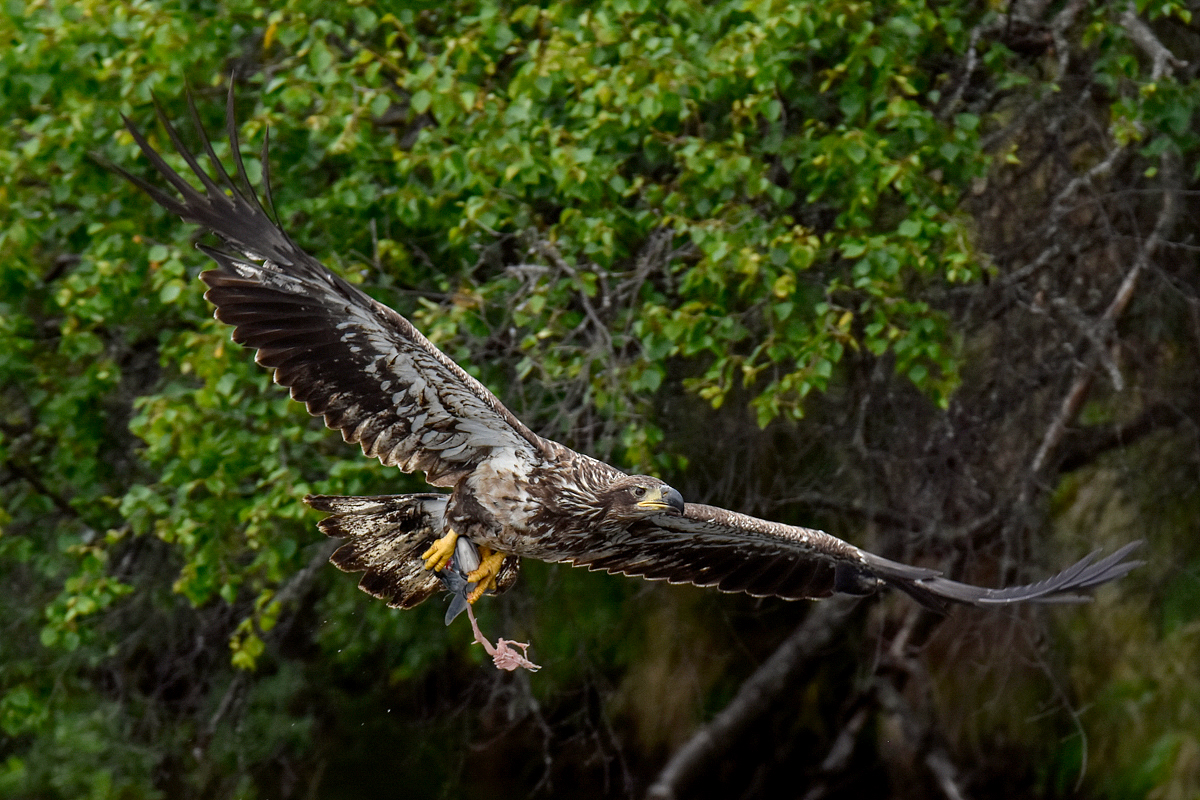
375, 378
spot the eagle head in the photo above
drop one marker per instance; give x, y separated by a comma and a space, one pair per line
636, 496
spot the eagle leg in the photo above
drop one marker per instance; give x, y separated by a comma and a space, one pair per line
484, 577
440, 552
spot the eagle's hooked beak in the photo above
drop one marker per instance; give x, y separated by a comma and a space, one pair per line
663, 499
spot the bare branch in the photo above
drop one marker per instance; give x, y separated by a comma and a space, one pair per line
1058, 30
1073, 401
236, 685
945, 772
964, 80
1163, 61
754, 698
838, 758
1058, 211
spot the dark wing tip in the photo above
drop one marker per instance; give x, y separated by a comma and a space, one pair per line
1068, 586
223, 203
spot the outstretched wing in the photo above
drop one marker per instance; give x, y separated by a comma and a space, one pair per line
709, 546
356, 362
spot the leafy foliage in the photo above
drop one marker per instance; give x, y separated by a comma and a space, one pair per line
628, 218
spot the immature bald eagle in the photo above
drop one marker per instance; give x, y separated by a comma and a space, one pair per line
375, 378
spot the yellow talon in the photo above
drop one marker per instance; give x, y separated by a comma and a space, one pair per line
440, 552
484, 577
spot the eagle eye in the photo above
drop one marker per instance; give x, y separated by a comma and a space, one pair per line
639, 491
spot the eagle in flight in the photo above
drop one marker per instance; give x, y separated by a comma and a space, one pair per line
512, 493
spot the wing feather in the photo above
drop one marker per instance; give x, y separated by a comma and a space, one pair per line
350, 359
709, 546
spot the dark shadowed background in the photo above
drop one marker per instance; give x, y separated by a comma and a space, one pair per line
923, 275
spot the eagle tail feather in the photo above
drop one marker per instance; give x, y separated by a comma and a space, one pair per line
385, 535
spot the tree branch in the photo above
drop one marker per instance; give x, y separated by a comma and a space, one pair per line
1058, 210
837, 760
1073, 400
754, 698
1058, 30
29, 476
1163, 60
547, 250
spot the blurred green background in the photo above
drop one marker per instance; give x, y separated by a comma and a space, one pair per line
924, 275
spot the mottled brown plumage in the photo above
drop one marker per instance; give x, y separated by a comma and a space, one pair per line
375, 378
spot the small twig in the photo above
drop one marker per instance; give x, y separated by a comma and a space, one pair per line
375, 246
235, 687
1058, 30
978, 32
29, 476
548, 250
653, 258
1097, 334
